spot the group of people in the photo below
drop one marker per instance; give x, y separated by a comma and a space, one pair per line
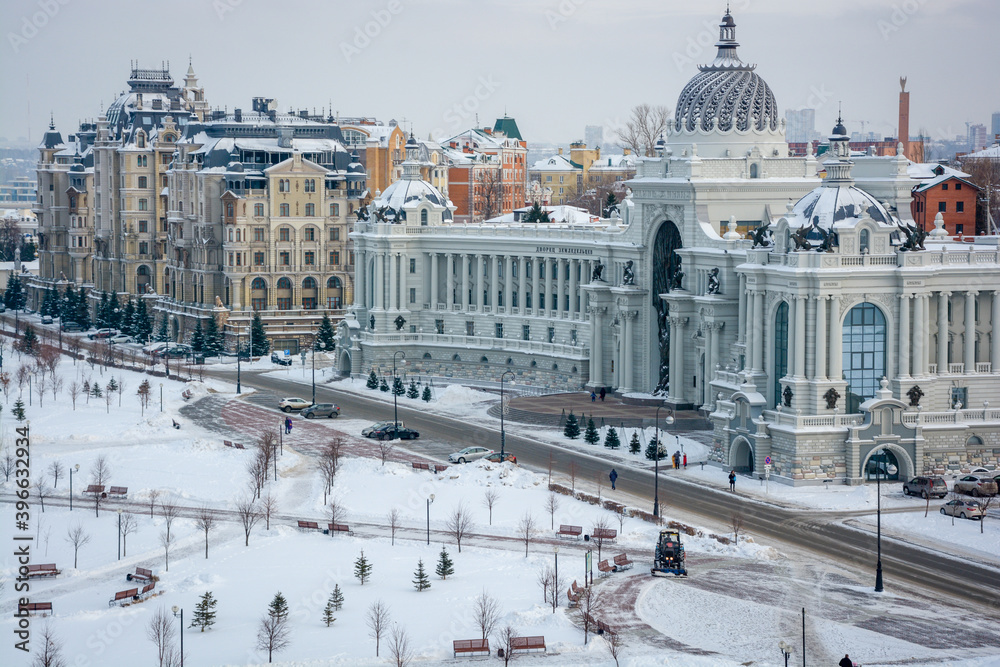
680, 459
602, 394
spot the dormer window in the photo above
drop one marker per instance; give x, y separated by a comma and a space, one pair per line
864, 241
423, 217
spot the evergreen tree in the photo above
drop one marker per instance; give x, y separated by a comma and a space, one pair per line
102, 311
426, 396
18, 409
198, 339
444, 565
337, 598
213, 341
14, 297
261, 345
50, 302
383, 385
127, 321
142, 326
611, 440
362, 568
278, 607
536, 214
82, 313
372, 380
609, 205
114, 312
204, 612
572, 429
420, 581
412, 392
633, 445
95, 390
162, 336
29, 253
397, 386
328, 610
67, 307
654, 448
591, 436
112, 386
29, 341
324, 336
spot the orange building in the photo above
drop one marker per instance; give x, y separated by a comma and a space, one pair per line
948, 194
487, 172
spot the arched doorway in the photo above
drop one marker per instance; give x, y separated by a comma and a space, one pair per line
334, 293
665, 264
142, 279
864, 341
309, 293
780, 350
885, 463
345, 363
741, 457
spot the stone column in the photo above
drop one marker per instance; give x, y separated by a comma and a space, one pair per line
480, 263
360, 293
821, 327
810, 335
716, 330
404, 280
549, 269
596, 345
434, 280
970, 331
465, 282
627, 366
393, 280
904, 335
450, 281
995, 333
942, 342
494, 281
836, 341
574, 288
508, 284
919, 335
522, 276
800, 338
758, 331
741, 332
560, 284
675, 371
379, 281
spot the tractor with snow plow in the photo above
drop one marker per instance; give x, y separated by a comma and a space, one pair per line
669, 558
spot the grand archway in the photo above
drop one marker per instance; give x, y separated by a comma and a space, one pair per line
344, 365
741, 458
666, 263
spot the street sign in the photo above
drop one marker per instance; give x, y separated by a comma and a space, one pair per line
767, 460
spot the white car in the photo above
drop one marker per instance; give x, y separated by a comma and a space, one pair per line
121, 338
289, 404
469, 454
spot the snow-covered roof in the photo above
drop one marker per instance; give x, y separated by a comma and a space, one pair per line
928, 170
993, 153
938, 180
826, 206
562, 213
614, 162
555, 163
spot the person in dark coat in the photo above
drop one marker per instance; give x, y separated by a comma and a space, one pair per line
593, 397
614, 478
602, 394
288, 425
846, 661
732, 480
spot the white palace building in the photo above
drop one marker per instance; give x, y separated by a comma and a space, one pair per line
807, 316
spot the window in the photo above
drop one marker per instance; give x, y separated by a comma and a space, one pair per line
283, 210
284, 283
470, 328
335, 210
143, 248
309, 302
335, 233
413, 265
283, 185
258, 259
781, 347
942, 207
284, 234
258, 234
335, 258
864, 353
413, 295
960, 207
284, 259
552, 334
284, 303
864, 241
548, 179
239, 259
527, 300
333, 302
959, 229
333, 282
541, 300
958, 186
310, 258
498, 329
142, 161
944, 186
423, 217
309, 283
143, 226
310, 232
258, 210
143, 181
439, 326
310, 185
229, 209
143, 204
525, 332
310, 210
230, 259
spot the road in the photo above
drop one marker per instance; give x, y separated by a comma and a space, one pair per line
815, 531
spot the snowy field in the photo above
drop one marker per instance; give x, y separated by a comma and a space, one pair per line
191, 468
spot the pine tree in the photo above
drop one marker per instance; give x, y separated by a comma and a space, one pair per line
204, 612
50, 303
653, 448
633, 445
142, 325
29, 252
413, 392
95, 390
127, 323
572, 429
362, 568
591, 436
444, 565
29, 341
112, 386
372, 380
162, 336
198, 338
261, 345
19, 409
325, 336
611, 440
213, 338
383, 385
67, 308
426, 397
102, 311
278, 607
397, 386
328, 610
14, 297
420, 581
337, 598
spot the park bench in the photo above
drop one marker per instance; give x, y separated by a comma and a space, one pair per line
227, 443
574, 598
147, 590
608, 534
95, 489
577, 589
121, 597
622, 562
187, 394
45, 570
33, 607
118, 491
238, 445
312, 525
527, 644
570, 531
339, 528
471, 647
141, 574
603, 628
421, 466
605, 568
440, 469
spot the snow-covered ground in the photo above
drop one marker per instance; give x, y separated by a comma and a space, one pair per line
191, 468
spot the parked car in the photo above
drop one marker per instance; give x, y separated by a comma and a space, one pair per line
507, 456
174, 351
391, 432
328, 410
965, 509
369, 431
281, 359
469, 454
155, 347
46, 319
103, 333
977, 485
71, 326
121, 338
289, 404
934, 487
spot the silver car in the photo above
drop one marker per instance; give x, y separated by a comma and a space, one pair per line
469, 454
328, 410
977, 485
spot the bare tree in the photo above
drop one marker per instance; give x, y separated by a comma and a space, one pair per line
621, 513
56, 471
489, 187
153, 495
338, 511
552, 461
273, 634
544, 580
165, 541
8, 464
170, 514
552, 505
74, 392
526, 528
459, 524
55, 384
597, 533
257, 468
985, 502
385, 448
377, 620
504, 639
268, 506
121, 388
586, 607
74, 346
160, 630
327, 471
78, 538
39, 487
129, 527
109, 398
736, 521
486, 613
643, 128
615, 644
249, 515
572, 475
490, 497
49, 652
100, 474
205, 522
393, 518
399, 646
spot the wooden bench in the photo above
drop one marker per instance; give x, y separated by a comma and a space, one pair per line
237, 445
147, 590
33, 607
312, 525
622, 562
227, 443
45, 570
609, 534
570, 531
440, 469
421, 466
605, 568
603, 628
118, 491
574, 598
121, 597
96, 489
577, 589
527, 644
141, 574
471, 647
187, 394
339, 528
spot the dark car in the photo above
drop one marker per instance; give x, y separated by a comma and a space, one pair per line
328, 410
934, 487
72, 326
507, 456
393, 432
281, 359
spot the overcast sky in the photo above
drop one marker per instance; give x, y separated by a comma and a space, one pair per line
555, 65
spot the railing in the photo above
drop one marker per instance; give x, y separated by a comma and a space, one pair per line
932, 369
813, 421
984, 367
956, 368
976, 416
476, 343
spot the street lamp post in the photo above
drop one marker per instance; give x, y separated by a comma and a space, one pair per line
119, 534
878, 514
503, 409
555, 597
161, 397
314, 371
786, 650
71, 470
178, 611
395, 414
668, 420
429, 501
239, 354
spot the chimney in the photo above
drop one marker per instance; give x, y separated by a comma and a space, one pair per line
904, 117
238, 115
560, 150
627, 151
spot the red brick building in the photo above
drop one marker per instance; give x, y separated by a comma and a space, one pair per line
487, 172
948, 194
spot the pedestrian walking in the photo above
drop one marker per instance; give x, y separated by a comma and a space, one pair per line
614, 478
593, 397
846, 661
602, 394
288, 425
732, 480
685, 461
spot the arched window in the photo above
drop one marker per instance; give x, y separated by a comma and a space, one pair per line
309, 283
864, 353
423, 217
974, 441
455, 357
780, 348
230, 235
510, 362
484, 360
427, 355
864, 241
258, 283
333, 282
229, 209
754, 171
284, 283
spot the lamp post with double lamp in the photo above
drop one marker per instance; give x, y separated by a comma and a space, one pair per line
555, 550
180, 612
429, 501
74, 468
119, 533
878, 513
503, 409
395, 414
668, 420
786, 651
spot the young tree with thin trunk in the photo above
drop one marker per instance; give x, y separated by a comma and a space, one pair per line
572, 475
362, 568
615, 644
129, 527
121, 389
544, 580
153, 497
8, 464
552, 461
42, 491
736, 521
490, 497
100, 474
49, 653
165, 541
338, 511
204, 612
556, 588
205, 522
327, 472
597, 533
486, 613
445, 566
160, 630
393, 518
552, 505
78, 538
56, 385
56, 471
385, 448
985, 502
109, 398
249, 515
170, 514
504, 639
526, 530
377, 620
268, 507
273, 632
399, 646
459, 524
586, 606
